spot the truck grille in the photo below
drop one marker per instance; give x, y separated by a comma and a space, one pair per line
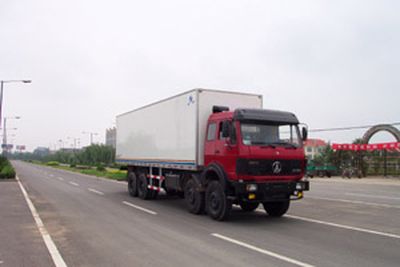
261, 167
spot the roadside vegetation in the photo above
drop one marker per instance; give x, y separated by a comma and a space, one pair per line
99, 171
96, 160
6, 169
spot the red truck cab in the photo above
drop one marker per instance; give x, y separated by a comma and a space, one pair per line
261, 154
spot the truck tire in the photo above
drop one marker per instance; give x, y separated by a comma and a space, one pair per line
276, 209
217, 204
193, 198
143, 191
249, 206
132, 184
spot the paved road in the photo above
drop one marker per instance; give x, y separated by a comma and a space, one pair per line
94, 222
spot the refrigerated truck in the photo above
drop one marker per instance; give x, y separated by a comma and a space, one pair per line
215, 148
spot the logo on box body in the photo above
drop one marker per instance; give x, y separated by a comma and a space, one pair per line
190, 100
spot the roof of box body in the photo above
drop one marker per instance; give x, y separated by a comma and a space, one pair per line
186, 92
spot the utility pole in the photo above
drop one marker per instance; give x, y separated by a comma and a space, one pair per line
91, 136
75, 140
4, 134
5, 144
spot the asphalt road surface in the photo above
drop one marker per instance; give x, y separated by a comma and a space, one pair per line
94, 222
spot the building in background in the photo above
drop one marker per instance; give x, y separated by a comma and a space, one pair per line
41, 151
111, 137
314, 147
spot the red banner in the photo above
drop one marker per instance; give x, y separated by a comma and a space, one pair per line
367, 147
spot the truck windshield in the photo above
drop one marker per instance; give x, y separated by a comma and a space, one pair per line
259, 134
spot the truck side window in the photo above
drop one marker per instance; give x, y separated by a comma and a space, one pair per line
232, 133
220, 137
212, 127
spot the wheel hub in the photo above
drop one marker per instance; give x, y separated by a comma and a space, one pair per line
214, 201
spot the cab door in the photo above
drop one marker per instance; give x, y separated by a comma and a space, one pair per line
209, 144
225, 147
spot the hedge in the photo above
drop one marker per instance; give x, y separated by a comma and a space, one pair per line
6, 169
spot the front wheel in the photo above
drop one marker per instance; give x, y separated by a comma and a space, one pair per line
193, 198
276, 209
249, 206
217, 205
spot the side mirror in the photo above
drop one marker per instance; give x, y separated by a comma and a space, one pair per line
304, 133
225, 129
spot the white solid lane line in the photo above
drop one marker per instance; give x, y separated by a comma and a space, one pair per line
263, 251
51, 175
96, 191
60, 178
54, 253
357, 202
139, 208
74, 184
347, 227
372, 196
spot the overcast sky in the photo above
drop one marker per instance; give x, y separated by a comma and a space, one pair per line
333, 63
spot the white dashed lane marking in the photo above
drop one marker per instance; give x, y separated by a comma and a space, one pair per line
263, 251
356, 202
358, 229
74, 184
139, 208
95, 191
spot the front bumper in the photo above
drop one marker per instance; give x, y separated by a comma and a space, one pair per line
269, 191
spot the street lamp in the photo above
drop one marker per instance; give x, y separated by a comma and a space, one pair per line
5, 145
1, 91
91, 136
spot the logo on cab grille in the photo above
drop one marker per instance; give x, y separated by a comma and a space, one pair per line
276, 167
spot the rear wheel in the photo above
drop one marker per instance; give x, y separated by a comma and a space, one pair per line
217, 204
249, 206
276, 209
193, 198
132, 184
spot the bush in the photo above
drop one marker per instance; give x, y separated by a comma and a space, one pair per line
72, 165
6, 169
7, 172
100, 168
52, 163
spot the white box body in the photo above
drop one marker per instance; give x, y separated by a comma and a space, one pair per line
171, 133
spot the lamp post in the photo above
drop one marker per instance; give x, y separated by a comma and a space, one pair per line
5, 145
1, 91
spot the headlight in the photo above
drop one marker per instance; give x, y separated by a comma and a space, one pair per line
299, 186
251, 187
